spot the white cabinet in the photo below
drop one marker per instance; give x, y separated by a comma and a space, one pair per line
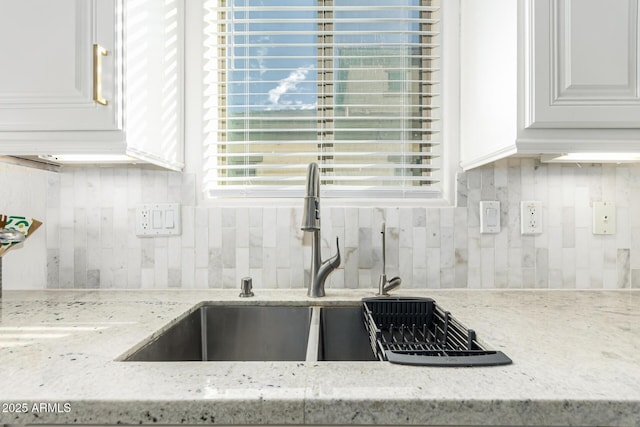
585, 71
46, 77
549, 76
92, 77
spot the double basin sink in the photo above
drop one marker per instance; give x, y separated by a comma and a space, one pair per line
229, 332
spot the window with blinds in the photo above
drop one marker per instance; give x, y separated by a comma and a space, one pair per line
349, 84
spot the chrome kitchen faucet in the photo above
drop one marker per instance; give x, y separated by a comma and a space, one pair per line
320, 270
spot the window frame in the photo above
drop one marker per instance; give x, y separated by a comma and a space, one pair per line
450, 106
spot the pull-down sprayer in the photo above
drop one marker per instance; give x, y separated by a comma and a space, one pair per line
311, 222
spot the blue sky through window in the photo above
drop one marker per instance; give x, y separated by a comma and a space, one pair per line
275, 45
274, 55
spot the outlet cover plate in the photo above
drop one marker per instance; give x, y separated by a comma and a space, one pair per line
604, 218
158, 220
530, 217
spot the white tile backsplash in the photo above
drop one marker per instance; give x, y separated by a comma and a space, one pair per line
88, 238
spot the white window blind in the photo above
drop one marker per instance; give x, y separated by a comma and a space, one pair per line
350, 84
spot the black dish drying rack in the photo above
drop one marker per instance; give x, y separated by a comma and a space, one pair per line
416, 331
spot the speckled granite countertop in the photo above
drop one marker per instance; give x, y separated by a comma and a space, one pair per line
576, 362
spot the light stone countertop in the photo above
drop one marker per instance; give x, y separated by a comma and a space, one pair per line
576, 361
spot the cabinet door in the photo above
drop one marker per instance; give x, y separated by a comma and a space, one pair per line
47, 65
584, 68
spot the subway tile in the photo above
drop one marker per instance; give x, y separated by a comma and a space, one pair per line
283, 278
392, 217
53, 268
337, 279
405, 236
269, 271
542, 268
419, 248
635, 278
214, 275
242, 227
487, 184
255, 247
188, 229
80, 268
515, 278
351, 227
215, 228
569, 277
188, 196
147, 278
185, 272
229, 278
93, 279
392, 247
174, 278
487, 269
242, 264
433, 269
365, 218
609, 280
257, 280
379, 215
134, 267
161, 275
134, 186
365, 248
283, 240
623, 267
365, 278
229, 247
228, 217
107, 279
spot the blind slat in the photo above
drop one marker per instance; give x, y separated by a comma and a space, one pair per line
257, 7
343, 178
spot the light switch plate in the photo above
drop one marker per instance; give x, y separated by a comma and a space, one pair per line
158, 219
489, 217
604, 218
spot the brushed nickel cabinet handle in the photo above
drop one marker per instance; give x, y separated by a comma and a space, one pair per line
98, 53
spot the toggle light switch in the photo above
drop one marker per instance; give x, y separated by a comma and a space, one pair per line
169, 221
492, 217
156, 219
489, 217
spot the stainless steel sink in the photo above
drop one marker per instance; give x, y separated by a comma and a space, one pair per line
343, 336
232, 333
413, 331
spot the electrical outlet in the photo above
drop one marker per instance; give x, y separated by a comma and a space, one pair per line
158, 219
530, 217
143, 214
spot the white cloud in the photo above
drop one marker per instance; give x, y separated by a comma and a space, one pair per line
288, 84
262, 52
